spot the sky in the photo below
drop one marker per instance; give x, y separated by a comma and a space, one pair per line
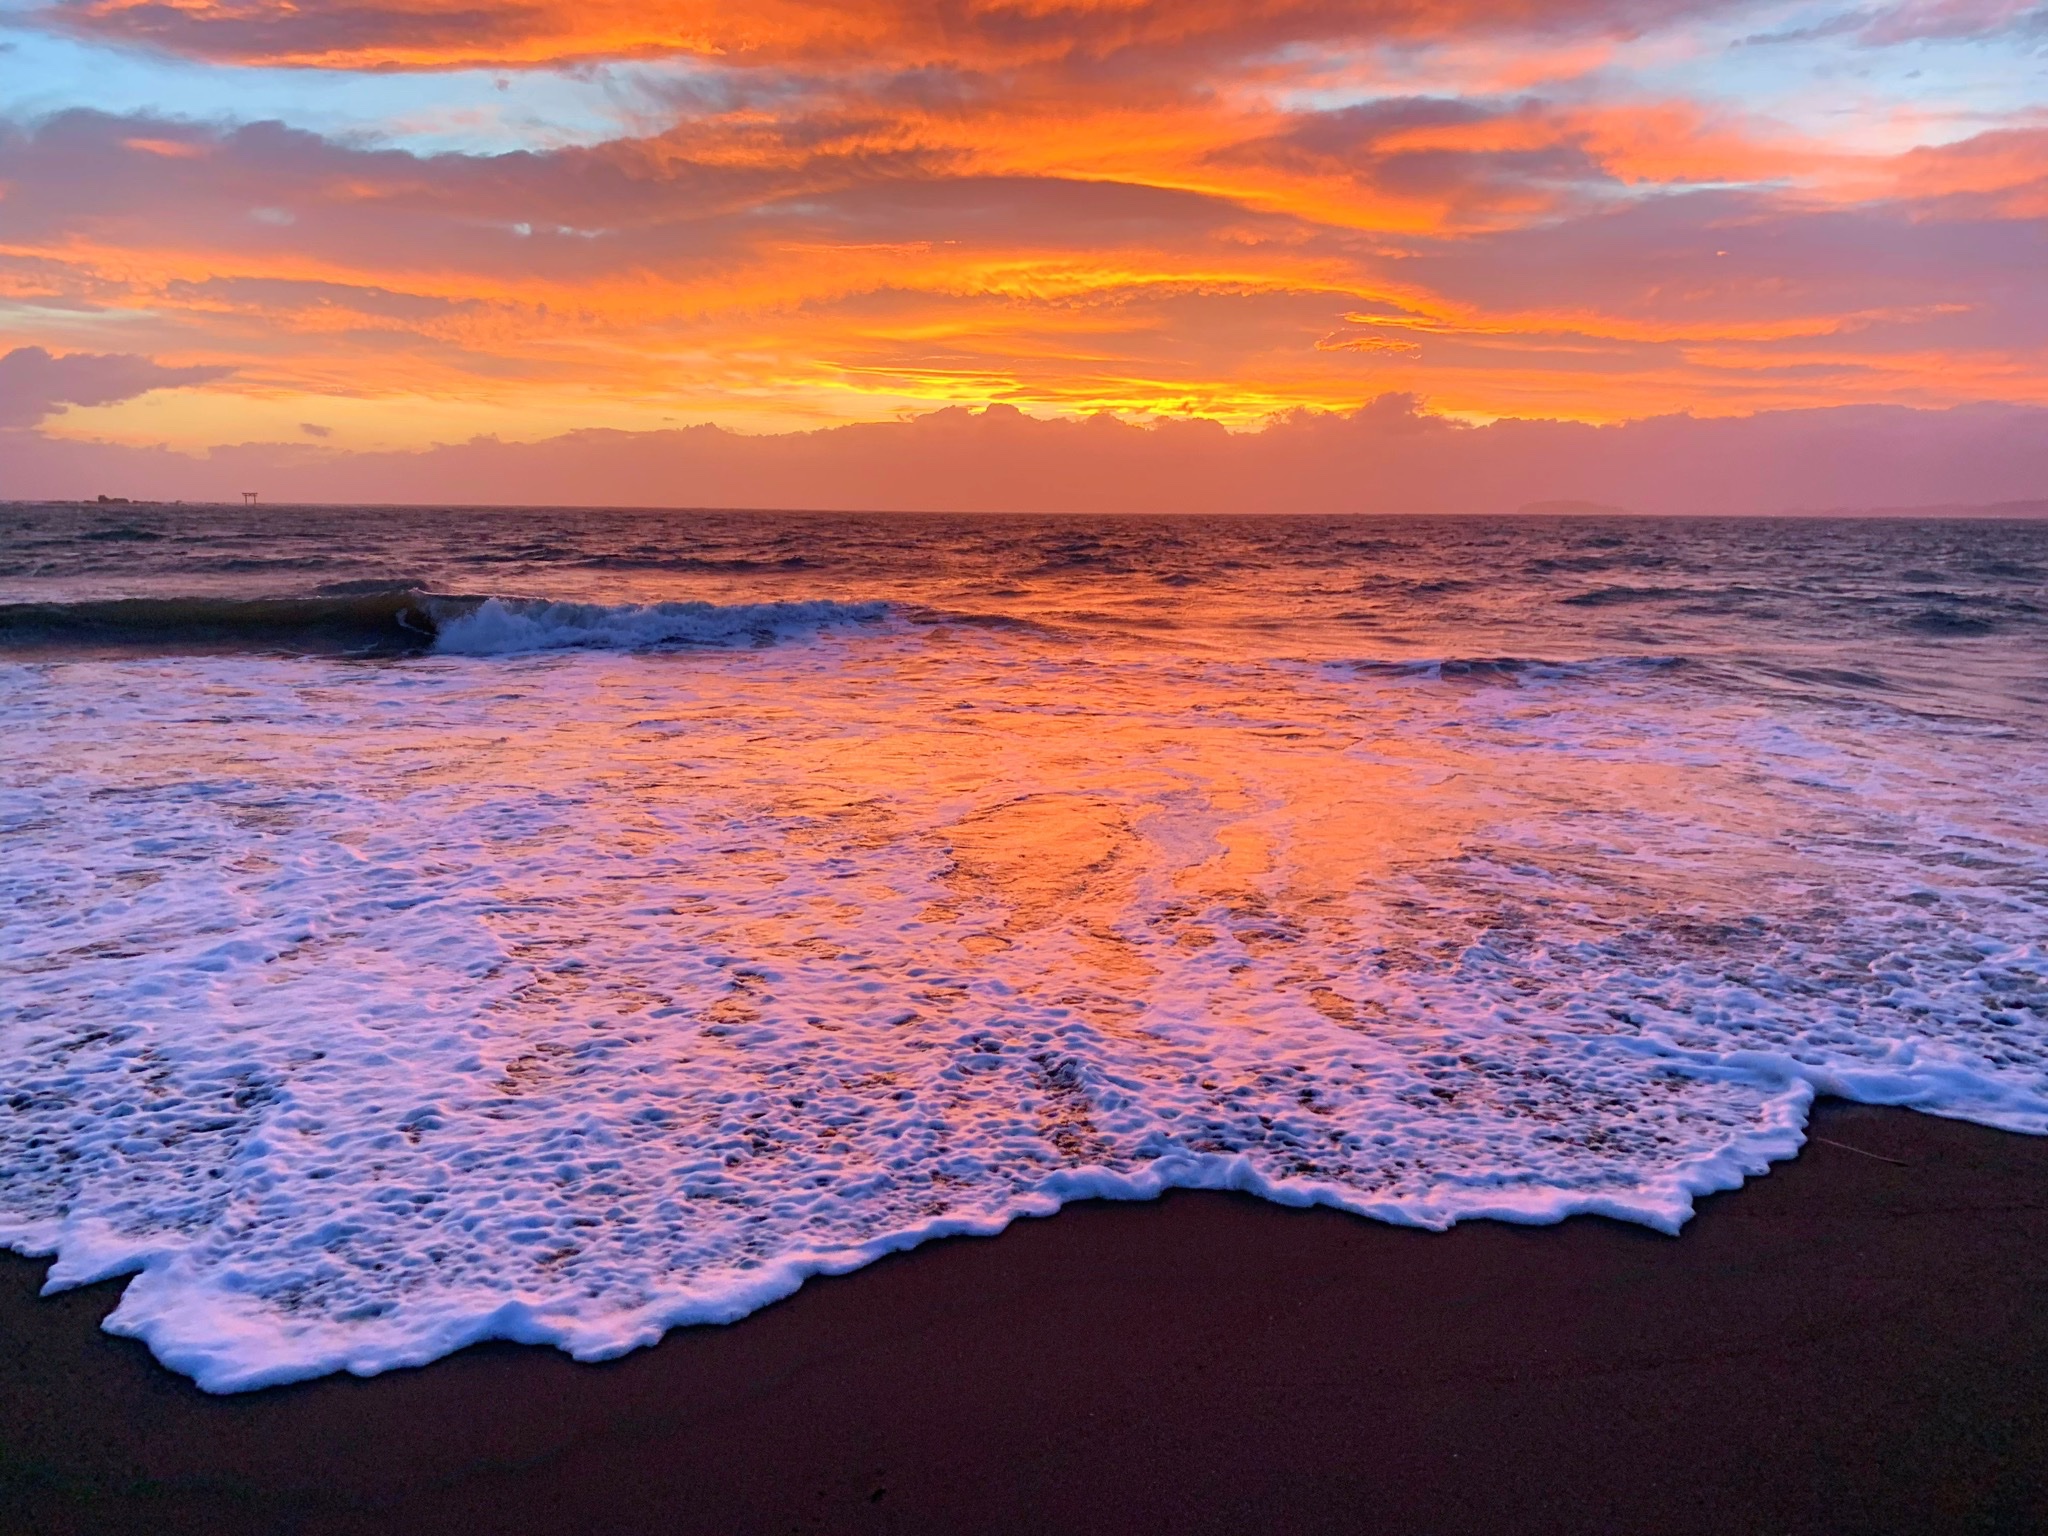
331, 229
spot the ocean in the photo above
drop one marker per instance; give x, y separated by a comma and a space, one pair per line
430, 925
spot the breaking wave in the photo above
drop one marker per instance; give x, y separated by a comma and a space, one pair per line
397, 621
508, 626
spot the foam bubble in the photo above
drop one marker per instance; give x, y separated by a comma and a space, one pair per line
362, 1012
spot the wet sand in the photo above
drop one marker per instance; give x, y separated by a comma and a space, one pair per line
1858, 1342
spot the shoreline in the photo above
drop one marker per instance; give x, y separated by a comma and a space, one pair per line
1857, 1341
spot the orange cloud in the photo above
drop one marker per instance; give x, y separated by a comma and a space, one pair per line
170, 149
442, 34
849, 210
2003, 173
629, 281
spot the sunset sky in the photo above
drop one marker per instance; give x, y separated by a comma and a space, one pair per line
379, 224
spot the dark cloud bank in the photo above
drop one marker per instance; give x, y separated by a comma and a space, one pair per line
34, 384
1388, 456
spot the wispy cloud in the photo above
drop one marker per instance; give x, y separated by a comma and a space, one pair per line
1912, 21
846, 211
1126, 37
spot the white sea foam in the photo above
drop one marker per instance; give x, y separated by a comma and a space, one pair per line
366, 1011
504, 626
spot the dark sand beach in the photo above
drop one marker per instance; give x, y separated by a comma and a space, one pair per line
1858, 1342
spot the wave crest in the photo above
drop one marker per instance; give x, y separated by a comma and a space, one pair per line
1509, 670
501, 626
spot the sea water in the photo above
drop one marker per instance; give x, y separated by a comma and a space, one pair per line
434, 925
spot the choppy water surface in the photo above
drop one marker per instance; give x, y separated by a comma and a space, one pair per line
426, 926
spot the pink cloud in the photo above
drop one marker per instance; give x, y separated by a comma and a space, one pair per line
1388, 456
35, 385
